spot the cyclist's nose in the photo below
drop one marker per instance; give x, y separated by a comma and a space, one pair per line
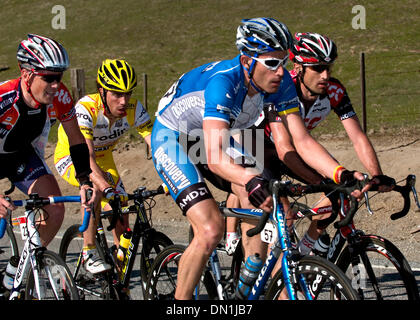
280, 71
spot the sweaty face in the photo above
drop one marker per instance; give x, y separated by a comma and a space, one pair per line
316, 78
118, 103
265, 78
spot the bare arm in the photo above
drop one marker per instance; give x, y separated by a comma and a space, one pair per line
216, 135
288, 154
362, 145
314, 154
75, 137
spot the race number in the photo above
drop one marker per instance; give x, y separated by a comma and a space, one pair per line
269, 234
21, 221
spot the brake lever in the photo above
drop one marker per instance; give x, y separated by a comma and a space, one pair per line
412, 182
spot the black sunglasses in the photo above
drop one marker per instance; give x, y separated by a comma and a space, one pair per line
321, 67
50, 78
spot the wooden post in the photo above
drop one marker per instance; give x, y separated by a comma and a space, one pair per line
147, 151
363, 89
77, 79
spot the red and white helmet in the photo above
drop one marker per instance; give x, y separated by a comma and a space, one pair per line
41, 53
312, 48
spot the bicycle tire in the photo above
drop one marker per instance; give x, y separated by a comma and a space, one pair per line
8, 247
52, 272
161, 283
154, 243
91, 287
386, 252
316, 270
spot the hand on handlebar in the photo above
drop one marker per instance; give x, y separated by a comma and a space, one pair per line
87, 196
383, 183
258, 193
349, 178
5, 205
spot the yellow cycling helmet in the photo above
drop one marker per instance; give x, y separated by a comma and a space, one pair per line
116, 75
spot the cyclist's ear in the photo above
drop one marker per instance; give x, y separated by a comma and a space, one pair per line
245, 61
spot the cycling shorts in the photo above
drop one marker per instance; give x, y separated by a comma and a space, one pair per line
23, 168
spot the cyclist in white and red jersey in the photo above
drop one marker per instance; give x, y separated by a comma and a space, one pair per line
313, 56
29, 105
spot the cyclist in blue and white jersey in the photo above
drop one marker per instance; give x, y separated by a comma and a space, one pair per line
193, 127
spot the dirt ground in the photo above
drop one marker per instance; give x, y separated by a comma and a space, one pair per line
399, 155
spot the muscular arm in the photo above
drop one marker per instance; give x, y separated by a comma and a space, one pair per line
314, 154
362, 145
215, 134
287, 153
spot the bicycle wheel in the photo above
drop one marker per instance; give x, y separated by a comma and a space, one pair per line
162, 280
324, 280
383, 272
154, 243
56, 281
8, 247
90, 286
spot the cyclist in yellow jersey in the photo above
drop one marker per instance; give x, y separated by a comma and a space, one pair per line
103, 118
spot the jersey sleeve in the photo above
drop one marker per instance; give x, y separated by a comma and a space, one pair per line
285, 100
63, 104
86, 119
219, 96
142, 121
339, 100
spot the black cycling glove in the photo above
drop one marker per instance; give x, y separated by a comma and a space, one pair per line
257, 189
347, 177
385, 180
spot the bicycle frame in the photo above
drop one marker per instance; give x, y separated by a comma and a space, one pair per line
141, 231
282, 245
33, 245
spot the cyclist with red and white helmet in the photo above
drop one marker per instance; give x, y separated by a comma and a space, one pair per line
205, 105
313, 56
29, 105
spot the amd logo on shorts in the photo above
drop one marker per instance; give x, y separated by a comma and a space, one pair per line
192, 195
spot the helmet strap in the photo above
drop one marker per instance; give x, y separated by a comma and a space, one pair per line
28, 83
103, 96
301, 76
250, 72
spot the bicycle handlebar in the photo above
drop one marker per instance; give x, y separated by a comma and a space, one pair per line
405, 193
140, 194
286, 188
35, 201
3, 224
87, 214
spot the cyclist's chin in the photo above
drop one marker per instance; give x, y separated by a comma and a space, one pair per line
46, 99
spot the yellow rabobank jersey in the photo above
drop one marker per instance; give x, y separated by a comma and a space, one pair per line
95, 126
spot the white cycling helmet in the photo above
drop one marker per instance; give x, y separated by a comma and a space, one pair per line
41, 53
261, 35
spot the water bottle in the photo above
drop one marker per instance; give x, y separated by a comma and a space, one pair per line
125, 240
248, 275
321, 246
9, 275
